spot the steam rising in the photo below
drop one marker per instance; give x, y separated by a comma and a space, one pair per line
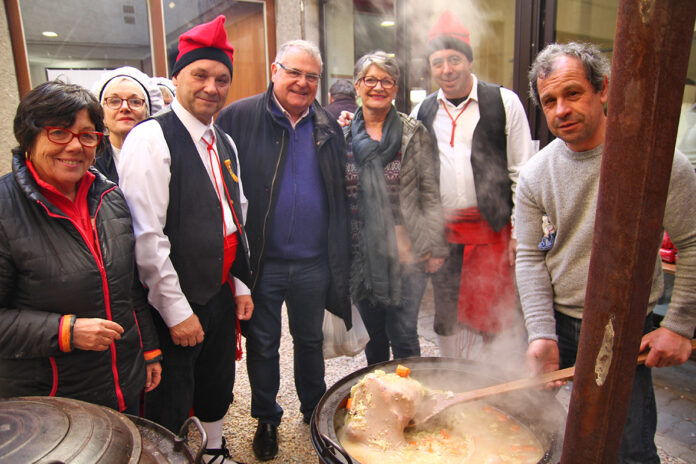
503, 354
352, 33
491, 27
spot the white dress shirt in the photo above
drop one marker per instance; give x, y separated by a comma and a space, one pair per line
287, 115
457, 188
116, 152
144, 175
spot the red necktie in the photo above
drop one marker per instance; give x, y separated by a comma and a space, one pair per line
229, 243
454, 120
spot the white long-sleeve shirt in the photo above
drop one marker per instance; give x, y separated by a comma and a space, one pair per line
457, 188
144, 175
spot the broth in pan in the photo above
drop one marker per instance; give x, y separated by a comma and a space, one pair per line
381, 406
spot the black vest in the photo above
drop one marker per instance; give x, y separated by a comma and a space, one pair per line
488, 153
194, 215
104, 162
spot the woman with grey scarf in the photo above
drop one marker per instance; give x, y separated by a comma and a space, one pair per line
396, 219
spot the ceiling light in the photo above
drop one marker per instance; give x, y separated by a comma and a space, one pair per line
49, 34
172, 4
387, 23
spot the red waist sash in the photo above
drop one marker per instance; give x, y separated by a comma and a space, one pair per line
230, 253
486, 290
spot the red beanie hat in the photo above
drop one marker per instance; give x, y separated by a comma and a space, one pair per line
207, 41
449, 33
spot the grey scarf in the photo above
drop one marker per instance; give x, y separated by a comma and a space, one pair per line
376, 272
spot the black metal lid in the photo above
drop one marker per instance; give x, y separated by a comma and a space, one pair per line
54, 430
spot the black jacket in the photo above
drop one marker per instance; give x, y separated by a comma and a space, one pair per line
261, 144
47, 270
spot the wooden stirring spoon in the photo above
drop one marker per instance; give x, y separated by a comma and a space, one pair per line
436, 401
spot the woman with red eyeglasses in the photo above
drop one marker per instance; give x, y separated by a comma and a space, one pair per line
74, 320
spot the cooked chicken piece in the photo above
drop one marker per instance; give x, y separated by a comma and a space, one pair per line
382, 406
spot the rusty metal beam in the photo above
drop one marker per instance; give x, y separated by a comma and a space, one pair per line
651, 52
158, 38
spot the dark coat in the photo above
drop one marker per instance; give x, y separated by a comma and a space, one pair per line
261, 143
47, 270
341, 103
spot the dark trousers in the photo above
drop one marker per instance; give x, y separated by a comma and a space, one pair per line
133, 408
395, 326
638, 440
201, 376
303, 286
446, 283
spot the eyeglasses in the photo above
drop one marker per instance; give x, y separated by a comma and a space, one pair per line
62, 136
373, 81
297, 74
133, 103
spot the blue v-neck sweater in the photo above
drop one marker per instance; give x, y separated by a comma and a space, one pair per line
300, 218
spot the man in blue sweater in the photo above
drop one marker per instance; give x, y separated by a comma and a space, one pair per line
292, 157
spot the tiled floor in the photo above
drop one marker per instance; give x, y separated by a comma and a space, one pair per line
675, 390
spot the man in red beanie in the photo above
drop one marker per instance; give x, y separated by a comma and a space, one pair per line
180, 176
483, 137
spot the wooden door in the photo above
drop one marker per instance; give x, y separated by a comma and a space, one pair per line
246, 32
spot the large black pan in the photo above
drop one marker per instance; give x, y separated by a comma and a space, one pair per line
539, 410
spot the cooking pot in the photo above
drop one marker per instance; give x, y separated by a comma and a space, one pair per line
538, 410
55, 430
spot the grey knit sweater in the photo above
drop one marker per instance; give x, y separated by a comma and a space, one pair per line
563, 184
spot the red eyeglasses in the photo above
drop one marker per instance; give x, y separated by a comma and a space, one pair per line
62, 136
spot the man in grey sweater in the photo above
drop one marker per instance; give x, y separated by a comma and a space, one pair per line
555, 215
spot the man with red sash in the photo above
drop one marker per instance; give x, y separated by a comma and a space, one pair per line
180, 175
483, 139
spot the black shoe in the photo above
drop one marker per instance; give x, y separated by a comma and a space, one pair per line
265, 442
218, 455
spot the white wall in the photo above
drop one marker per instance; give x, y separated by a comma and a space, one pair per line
298, 19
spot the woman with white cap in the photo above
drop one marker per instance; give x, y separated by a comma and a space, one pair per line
127, 96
